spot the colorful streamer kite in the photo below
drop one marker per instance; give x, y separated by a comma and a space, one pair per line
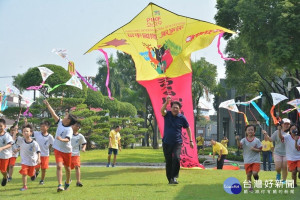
73, 81
71, 66
259, 110
45, 73
231, 105
296, 104
277, 98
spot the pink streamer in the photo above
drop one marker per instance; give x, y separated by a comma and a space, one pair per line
222, 56
26, 113
107, 77
36, 87
87, 83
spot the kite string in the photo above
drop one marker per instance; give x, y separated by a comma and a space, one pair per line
230, 115
252, 113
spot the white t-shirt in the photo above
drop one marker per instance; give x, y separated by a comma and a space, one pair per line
249, 155
63, 132
44, 142
77, 141
13, 148
292, 153
5, 139
28, 151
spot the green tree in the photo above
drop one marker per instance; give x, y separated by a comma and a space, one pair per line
268, 38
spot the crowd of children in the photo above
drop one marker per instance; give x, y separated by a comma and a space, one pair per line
286, 151
34, 150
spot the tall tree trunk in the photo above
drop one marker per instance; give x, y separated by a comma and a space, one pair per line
155, 135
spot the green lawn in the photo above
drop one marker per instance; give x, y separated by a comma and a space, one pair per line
137, 183
139, 155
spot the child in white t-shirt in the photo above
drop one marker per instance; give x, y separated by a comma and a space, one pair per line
78, 142
5, 150
292, 152
44, 139
30, 154
15, 151
62, 146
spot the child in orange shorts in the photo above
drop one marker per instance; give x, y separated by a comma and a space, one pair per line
5, 150
78, 142
30, 154
15, 152
292, 150
251, 153
44, 139
62, 146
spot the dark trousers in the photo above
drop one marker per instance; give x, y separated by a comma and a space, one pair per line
221, 162
267, 156
172, 156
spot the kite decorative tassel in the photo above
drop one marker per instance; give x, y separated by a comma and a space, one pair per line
107, 77
71, 68
85, 81
275, 120
220, 52
261, 112
245, 118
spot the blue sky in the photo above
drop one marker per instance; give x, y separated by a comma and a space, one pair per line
30, 29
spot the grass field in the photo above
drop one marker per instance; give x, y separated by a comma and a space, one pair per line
137, 183
140, 155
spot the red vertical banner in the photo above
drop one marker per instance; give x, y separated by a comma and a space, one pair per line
179, 88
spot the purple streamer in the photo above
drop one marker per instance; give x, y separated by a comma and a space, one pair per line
36, 87
219, 51
85, 81
107, 77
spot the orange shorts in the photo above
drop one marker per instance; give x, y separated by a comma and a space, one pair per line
27, 170
252, 167
12, 161
3, 165
44, 163
64, 158
292, 165
75, 162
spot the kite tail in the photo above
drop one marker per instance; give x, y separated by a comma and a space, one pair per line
261, 112
107, 77
85, 81
56, 86
26, 112
36, 87
222, 56
245, 118
288, 110
275, 120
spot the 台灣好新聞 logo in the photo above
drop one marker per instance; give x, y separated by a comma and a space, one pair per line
232, 186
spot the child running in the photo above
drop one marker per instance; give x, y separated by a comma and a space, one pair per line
15, 151
30, 154
251, 153
292, 153
44, 139
78, 142
62, 146
5, 150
